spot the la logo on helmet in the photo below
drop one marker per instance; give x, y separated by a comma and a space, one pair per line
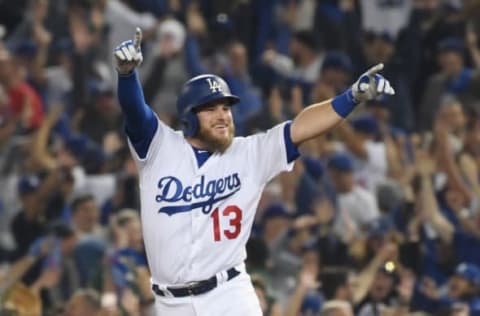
214, 85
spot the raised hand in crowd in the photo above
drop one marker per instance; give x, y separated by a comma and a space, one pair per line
307, 281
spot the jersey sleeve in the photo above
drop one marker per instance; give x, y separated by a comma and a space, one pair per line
156, 143
271, 152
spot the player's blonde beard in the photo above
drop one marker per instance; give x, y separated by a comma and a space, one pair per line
214, 143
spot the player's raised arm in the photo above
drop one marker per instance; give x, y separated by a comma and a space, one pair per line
320, 117
140, 121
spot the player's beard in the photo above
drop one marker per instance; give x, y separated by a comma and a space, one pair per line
215, 143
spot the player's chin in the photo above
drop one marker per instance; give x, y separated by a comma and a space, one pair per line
217, 140
222, 142
221, 134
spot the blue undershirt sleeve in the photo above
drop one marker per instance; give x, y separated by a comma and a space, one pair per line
291, 148
140, 121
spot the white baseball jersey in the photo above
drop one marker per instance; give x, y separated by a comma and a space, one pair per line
197, 220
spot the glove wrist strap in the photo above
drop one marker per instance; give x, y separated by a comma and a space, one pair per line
344, 103
125, 74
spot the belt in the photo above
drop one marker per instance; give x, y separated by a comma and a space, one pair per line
194, 288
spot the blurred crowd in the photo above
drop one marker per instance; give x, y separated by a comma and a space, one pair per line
379, 217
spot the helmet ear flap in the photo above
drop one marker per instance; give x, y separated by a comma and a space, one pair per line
190, 124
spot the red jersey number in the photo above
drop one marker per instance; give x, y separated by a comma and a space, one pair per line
234, 214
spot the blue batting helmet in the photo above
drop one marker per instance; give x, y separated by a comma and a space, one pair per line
197, 92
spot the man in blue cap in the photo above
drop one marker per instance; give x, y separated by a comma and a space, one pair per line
335, 74
356, 206
454, 78
462, 293
361, 139
463, 286
27, 225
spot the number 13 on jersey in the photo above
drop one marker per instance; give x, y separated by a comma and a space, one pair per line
234, 215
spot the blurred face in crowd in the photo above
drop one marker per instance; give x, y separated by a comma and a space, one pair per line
455, 199
238, 58
337, 308
472, 137
376, 241
63, 59
458, 287
30, 203
170, 38
381, 286
298, 51
302, 235
102, 3
426, 4
3, 99
274, 226
380, 113
12, 71
106, 105
378, 50
445, 255
340, 312
342, 180
86, 216
322, 91
344, 293
68, 183
460, 309
455, 117
6, 66
451, 63
295, 50
79, 305
167, 46
40, 9
338, 79
68, 244
216, 129
134, 233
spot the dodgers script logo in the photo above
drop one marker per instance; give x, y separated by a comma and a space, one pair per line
201, 195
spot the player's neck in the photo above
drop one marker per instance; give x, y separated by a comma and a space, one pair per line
201, 154
197, 144
211, 144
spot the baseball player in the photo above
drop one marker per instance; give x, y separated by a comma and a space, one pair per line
199, 187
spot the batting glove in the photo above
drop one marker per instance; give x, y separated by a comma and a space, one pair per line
370, 85
128, 54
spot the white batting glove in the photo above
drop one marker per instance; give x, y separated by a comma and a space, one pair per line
128, 54
370, 85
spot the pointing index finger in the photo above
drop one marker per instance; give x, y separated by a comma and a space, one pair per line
375, 69
137, 40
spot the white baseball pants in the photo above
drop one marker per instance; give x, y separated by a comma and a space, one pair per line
233, 298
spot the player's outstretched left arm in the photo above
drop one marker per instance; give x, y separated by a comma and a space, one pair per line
321, 117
